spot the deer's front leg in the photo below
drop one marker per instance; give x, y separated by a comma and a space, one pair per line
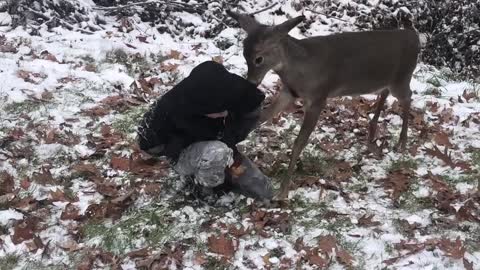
312, 113
279, 104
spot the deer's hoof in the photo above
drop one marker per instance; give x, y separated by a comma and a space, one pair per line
375, 150
400, 147
281, 196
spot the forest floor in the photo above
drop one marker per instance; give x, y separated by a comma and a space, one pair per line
76, 192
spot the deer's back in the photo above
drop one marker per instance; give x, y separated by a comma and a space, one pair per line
362, 62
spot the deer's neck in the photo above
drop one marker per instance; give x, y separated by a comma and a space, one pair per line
291, 52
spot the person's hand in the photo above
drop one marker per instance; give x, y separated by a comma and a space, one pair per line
218, 115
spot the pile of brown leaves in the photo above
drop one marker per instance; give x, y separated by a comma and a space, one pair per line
325, 252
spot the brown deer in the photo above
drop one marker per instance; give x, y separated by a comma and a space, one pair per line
316, 68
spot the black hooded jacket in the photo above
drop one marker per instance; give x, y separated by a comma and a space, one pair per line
179, 119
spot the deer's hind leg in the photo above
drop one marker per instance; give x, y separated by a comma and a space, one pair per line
404, 95
372, 126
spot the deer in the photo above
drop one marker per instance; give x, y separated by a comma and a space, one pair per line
340, 64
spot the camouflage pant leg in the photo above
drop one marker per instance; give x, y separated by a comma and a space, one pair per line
206, 161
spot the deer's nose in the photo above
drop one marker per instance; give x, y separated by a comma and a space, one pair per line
254, 81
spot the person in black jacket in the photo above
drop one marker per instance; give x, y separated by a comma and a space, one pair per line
197, 125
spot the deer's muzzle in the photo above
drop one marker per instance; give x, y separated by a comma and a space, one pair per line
253, 80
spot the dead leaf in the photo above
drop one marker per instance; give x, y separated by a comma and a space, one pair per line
266, 260
446, 157
8, 48
367, 221
125, 25
441, 138
34, 244
299, 244
31, 77
155, 80
44, 177
57, 195
7, 184
130, 45
468, 265
124, 198
238, 232
432, 106
218, 59
71, 211
327, 244
396, 183
314, 258
200, 259
142, 39
6, 199
70, 245
88, 170
469, 95
16, 133
51, 136
96, 211
113, 101
307, 181
26, 204
168, 67
90, 68
221, 245
145, 86
174, 54
272, 219
411, 247
340, 171
24, 230
139, 253
120, 163
153, 189
110, 209
344, 257
453, 249
468, 212
68, 79
447, 116
97, 111
107, 189
47, 95
86, 263
48, 56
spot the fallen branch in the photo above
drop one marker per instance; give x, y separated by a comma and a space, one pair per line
321, 13
263, 9
36, 13
146, 3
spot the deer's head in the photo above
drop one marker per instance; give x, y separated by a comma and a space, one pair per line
261, 48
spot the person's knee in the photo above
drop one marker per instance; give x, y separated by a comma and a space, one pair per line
206, 161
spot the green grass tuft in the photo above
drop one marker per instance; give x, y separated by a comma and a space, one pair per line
9, 261
147, 225
127, 123
403, 163
134, 63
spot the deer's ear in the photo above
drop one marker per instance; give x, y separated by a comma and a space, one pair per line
285, 27
247, 22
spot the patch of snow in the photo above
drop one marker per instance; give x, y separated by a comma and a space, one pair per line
7, 215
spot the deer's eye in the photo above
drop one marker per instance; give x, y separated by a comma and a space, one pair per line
258, 60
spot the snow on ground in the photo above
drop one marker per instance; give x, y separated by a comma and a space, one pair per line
76, 192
